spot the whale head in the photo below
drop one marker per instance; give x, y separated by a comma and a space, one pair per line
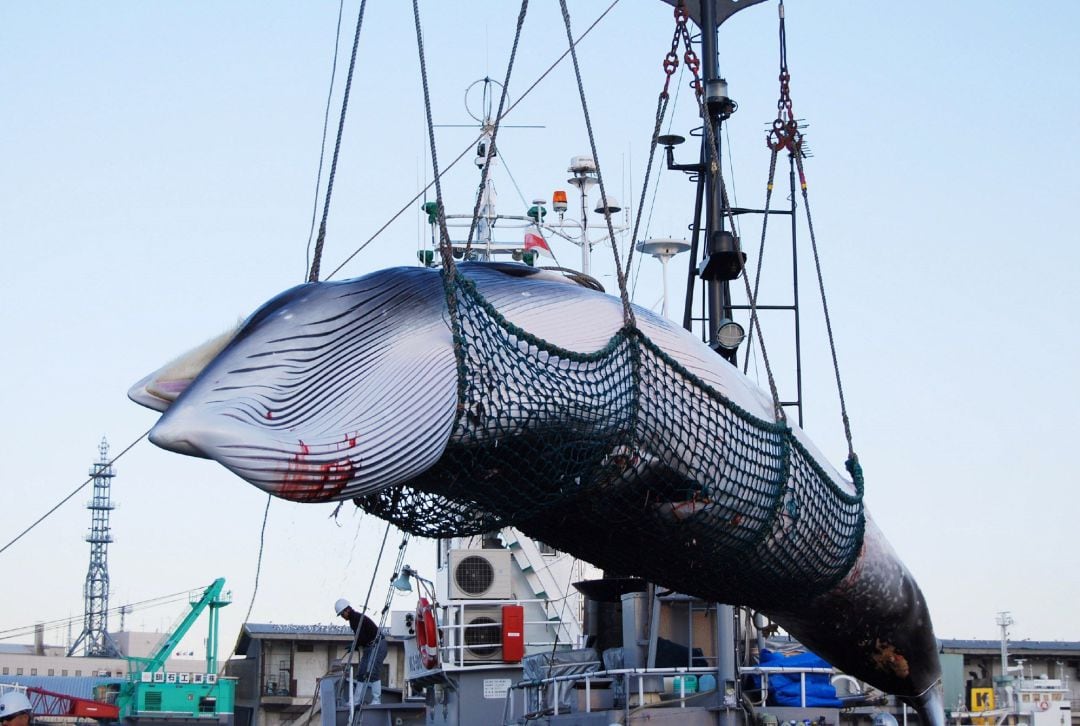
327, 392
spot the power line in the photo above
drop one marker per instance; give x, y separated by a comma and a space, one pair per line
69, 496
152, 602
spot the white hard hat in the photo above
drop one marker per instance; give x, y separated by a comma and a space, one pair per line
340, 605
13, 703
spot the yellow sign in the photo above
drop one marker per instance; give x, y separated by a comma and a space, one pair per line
982, 699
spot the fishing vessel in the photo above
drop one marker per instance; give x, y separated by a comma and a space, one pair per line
647, 455
512, 631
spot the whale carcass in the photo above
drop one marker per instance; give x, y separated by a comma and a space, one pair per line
508, 396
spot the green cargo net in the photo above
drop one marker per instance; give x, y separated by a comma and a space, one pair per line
627, 460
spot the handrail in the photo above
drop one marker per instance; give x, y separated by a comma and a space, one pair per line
552, 695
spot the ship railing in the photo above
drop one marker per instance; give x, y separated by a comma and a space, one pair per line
766, 671
547, 695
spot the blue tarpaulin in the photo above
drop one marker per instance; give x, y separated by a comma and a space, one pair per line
784, 688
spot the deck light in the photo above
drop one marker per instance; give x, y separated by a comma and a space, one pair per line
401, 583
729, 334
558, 200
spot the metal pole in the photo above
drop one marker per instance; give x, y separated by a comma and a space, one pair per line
584, 229
795, 290
719, 294
719, 304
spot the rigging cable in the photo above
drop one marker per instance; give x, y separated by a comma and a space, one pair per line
316, 262
628, 313
490, 151
126, 608
444, 235
382, 619
712, 166
258, 561
554, 64
77, 489
671, 62
325, 128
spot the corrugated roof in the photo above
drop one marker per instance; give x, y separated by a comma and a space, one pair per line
274, 631
291, 631
79, 687
1015, 646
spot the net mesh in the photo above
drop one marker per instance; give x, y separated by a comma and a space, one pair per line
627, 460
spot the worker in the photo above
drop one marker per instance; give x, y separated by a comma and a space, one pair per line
372, 640
15, 709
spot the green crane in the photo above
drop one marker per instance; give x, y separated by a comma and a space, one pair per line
151, 692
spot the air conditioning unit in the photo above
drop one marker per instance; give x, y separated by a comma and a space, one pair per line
481, 634
480, 575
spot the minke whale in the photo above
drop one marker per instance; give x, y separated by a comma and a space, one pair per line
365, 389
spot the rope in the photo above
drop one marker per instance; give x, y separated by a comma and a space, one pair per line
495, 130
316, 262
628, 313
77, 489
472, 144
825, 309
325, 128
382, 620
258, 561
761, 245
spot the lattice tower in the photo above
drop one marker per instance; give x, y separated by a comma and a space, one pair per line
95, 636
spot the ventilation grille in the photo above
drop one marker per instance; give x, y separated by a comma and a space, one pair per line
482, 634
152, 701
480, 574
474, 575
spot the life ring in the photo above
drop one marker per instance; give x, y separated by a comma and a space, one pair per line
1044, 705
427, 634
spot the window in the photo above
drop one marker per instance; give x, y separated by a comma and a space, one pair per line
18, 671
305, 647
63, 672
33, 671
78, 672
7, 671
52, 672
546, 549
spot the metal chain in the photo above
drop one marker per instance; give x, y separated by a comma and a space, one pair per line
628, 313
316, 261
495, 128
714, 169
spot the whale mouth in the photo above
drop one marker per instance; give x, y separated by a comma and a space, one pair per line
281, 463
172, 438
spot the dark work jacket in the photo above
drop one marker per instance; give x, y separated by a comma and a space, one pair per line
367, 627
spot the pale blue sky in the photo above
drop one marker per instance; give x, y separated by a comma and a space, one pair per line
157, 165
